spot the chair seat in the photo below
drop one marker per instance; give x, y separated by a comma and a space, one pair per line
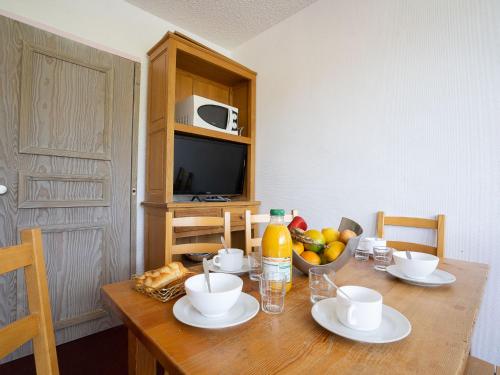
476, 366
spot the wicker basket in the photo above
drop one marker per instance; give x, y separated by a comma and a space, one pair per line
173, 290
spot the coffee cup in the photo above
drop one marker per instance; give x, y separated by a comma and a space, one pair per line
231, 260
363, 311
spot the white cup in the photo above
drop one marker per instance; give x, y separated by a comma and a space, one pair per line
363, 312
229, 262
368, 243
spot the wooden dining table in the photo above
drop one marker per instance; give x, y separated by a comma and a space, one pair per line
442, 320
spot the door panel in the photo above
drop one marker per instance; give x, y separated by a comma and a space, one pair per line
38, 190
66, 115
51, 81
72, 273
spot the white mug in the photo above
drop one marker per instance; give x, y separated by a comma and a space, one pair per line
229, 262
363, 311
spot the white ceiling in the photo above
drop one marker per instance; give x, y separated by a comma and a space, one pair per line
227, 23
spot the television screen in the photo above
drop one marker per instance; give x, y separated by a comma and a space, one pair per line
207, 166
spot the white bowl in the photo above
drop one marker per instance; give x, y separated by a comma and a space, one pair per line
226, 289
419, 266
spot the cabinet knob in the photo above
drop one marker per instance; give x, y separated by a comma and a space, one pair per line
3, 189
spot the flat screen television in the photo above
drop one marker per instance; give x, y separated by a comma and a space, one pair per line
208, 167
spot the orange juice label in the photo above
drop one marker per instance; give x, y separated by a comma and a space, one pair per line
281, 265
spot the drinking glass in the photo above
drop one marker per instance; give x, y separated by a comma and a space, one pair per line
272, 292
361, 255
254, 265
382, 257
320, 289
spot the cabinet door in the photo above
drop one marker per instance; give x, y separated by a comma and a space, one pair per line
65, 156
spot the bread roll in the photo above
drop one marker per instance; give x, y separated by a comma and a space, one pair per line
163, 276
164, 269
164, 279
148, 281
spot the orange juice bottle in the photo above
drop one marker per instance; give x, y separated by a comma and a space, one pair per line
277, 247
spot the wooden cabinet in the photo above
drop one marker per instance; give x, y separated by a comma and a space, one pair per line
180, 67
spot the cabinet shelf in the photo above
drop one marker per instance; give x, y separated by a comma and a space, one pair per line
213, 134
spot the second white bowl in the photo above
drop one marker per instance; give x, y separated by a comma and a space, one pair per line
226, 289
419, 266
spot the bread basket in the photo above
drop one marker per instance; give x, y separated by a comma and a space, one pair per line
167, 293
303, 265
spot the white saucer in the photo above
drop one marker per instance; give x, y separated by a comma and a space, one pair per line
394, 326
244, 267
245, 309
437, 278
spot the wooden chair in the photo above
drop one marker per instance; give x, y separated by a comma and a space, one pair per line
414, 222
38, 325
476, 366
259, 219
194, 221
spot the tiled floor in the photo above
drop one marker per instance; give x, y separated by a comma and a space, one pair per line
102, 353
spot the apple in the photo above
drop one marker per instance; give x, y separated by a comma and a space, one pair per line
298, 222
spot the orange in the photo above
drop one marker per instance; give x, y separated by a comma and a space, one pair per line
298, 247
311, 257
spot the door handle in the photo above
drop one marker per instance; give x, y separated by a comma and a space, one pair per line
3, 189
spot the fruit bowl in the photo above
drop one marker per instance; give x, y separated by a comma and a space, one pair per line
303, 265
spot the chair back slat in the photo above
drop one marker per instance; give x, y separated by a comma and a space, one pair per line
15, 334
197, 221
411, 246
194, 221
250, 220
15, 257
266, 218
414, 222
38, 325
260, 218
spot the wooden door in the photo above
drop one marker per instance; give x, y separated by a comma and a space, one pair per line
66, 120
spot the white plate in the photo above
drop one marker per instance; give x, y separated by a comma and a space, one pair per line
245, 309
244, 267
437, 278
394, 326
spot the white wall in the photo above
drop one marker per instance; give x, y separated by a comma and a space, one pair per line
112, 25
387, 104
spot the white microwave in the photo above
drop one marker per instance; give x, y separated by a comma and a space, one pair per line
199, 111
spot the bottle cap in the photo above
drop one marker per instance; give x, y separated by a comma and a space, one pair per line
277, 212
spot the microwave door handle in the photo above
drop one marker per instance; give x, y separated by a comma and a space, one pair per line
234, 118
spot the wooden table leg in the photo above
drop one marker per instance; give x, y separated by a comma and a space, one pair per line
140, 360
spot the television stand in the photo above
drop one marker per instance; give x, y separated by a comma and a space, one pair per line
216, 198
